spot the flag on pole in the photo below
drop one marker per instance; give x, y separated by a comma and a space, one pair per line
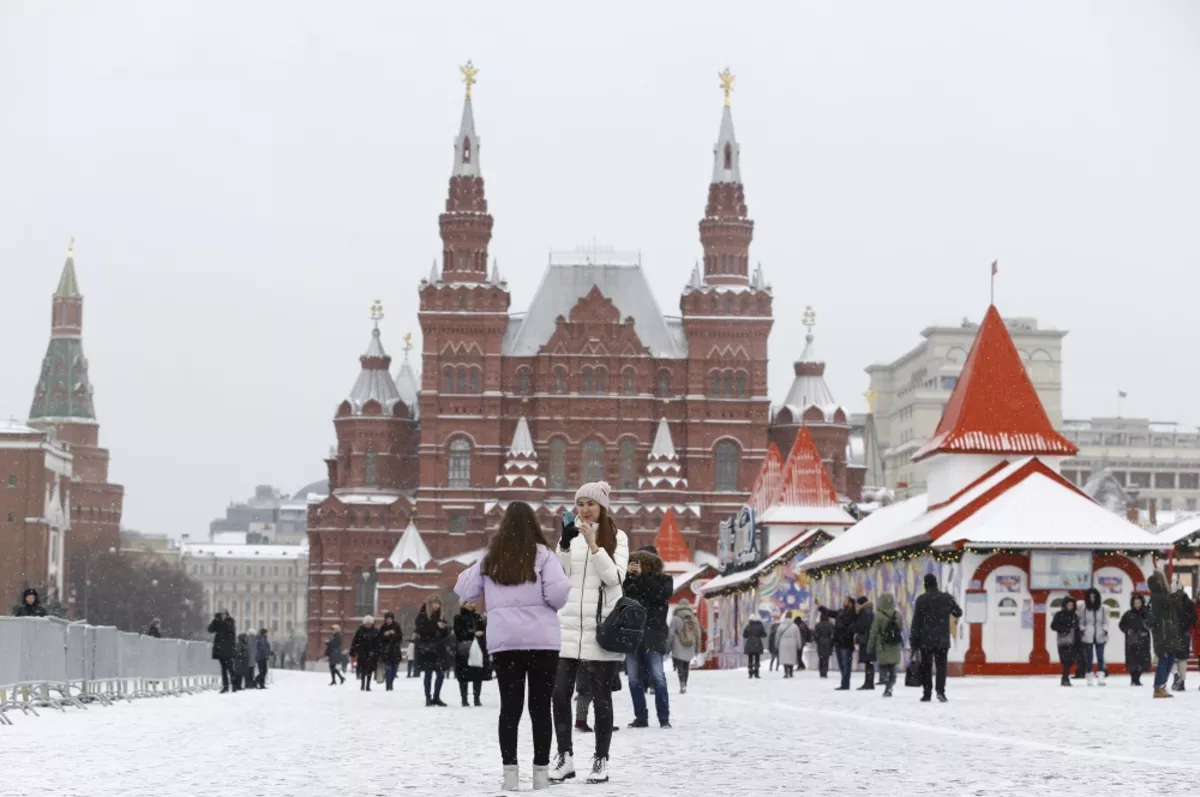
1122, 394
995, 267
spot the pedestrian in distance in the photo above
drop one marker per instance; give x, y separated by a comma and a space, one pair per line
789, 640
1166, 630
929, 633
1093, 626
773, 643
155, 629
823, 634
844, 621
1187, 623
863, 621
243, 664
684, 641
594, 555
433, 655
30, 605
224, 646
754, 638
1135, 625
805, 638
333, 652
885, 641
262, 655
391, 646
523, 586
364, 649
647, 584
470, 630
1066, 625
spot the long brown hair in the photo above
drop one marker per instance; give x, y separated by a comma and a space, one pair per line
512, 554
606, 533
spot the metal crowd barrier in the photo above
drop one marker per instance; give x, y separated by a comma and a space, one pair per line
46, 662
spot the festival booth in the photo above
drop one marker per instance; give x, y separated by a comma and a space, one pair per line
1183, 563
1004, 533
792, 512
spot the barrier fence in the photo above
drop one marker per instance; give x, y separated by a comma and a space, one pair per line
46, 662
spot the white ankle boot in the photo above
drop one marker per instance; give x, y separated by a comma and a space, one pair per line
599, 773
541, 778
512, 779
1101, 677
563, 769
1090, 679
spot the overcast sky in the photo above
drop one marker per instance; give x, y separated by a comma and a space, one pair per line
244, 178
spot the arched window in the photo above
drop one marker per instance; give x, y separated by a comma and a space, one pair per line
628, 469
592, 466
523, 382
664, 382
364, 593
460, 463
558, 464
600, 381
474, 380
560, 381
716, 383
729, 383
726, 458
462, 299
587, 380
741, 384
371, 478
628, 382
729, 303
724, 263
447, 380
462, 379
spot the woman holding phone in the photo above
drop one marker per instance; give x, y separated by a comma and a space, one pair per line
595, 556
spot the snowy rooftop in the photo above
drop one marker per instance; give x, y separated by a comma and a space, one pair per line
733, 579
809, 515
1177, 533
880, 531
410, 552
280, 552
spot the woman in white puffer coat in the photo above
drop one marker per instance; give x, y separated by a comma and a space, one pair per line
594, 555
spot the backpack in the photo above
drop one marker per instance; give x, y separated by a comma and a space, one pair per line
688, 632
892, 634
622, 630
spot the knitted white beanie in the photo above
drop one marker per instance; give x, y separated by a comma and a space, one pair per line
596, 491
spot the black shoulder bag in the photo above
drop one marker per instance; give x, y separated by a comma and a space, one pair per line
622, 630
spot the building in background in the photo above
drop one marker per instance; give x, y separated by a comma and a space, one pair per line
62, 403
148, 548
269, 516
910, 393
1156, 463
35, 516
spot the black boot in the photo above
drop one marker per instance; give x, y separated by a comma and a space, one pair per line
1066, 680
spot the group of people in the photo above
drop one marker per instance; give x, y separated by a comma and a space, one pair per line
1166, 626
876, 635
237, 654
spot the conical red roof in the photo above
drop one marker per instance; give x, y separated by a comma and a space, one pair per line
994, 408
669, 541
805, 481
766, 486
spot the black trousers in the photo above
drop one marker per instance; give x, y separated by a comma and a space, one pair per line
887, 675
600, 675
462, 687
1067, 656
515, 668
823, 665
754, 662
683, 668
261, 682
930, 657
226, 672
335, 673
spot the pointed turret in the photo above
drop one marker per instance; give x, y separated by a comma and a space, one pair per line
805, 482
521, 464
374, 392
726, 230
670, 542
809, 388
410, 552
495, 280
466, 226
63, 392
663, 468
766, 485
408, 386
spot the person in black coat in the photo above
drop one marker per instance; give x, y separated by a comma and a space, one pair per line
647, 584
153, 630
243, 669
863, 621
1065, 624
1135, 625
30, 605
432, 631
755, 635
470, 626
365, 650
391, 648
844, 623
224, 646
333, 652
929, 633
823, 634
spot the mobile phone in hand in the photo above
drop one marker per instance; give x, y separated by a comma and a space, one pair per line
568, 518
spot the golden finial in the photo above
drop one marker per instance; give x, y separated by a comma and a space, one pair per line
408, 342
376, 312
809, 319
71, 247
468, 76
726, 77
870, 397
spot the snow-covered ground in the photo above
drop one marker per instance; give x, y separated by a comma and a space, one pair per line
732, 736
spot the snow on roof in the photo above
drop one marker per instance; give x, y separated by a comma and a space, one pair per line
465, 559
682, 579
1173, 535
706, 558
228, 538
564, 285
808, 515
408, 388
664, 446
231, 551
522, 444
733, 579
410, 550
806, 494
367, 498
994, 408
374, 382
877, 532
1040, 512
14, 427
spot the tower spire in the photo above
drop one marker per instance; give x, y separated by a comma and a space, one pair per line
726, 230
63, 391
466, 226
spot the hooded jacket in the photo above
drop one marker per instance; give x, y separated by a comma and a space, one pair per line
391, 642
364, 647
885, 652
431, 639
1066, 625
35, 609
224, 637
863, 620
1093, 618
587, 572
1135, 625
754, 636
680, 649
653, 589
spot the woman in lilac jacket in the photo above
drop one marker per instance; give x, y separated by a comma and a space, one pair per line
523, 586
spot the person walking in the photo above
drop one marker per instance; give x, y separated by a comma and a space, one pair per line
155, 629
243, 664
754, 636
524, 586
595, 556
1187, 622
1066, 624
470, 628
863, 621
885, 641
1093, 625
1166, 630
929, 633
432, 633
805, 638
647, 584
823, 633
224, 646
30, 605
391, 646
413, 670
788, 641
333, 652
1135, 625
365, 650
262, 655
684, 641
773, 643
843, 638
